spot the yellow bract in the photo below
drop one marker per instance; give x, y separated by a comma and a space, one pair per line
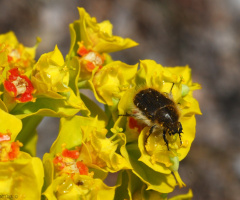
16, 175
78, 187
6, 124
112, 81
15, 53
98, 36
112, 139
100, 152
92, 42
50, 75
177, 84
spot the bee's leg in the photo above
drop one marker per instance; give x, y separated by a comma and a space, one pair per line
150, 132
180, 137
127, 115
180, 131
164, 137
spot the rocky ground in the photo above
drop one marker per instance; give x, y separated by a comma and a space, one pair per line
203, 34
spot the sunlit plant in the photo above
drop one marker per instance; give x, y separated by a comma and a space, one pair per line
142, 146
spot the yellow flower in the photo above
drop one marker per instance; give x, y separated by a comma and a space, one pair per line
15, 53
55, 89
96, 36
130, 186
154, 180
177, 85
17, 168
85, 140
16, 175
50, 75
100, 152
6, 124
92, 41
19, 86
80, 159
66, 163
78, 187
112, 81
72, 178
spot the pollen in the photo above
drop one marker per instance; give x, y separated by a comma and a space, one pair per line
8, 150
94, 58
21, 85
14, 54
185, 143
67, 163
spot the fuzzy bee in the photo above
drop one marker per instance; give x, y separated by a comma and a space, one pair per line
158, 111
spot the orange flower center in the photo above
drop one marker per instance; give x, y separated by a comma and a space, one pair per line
133, 124
67, 163
19, 86
8, 150
91, 58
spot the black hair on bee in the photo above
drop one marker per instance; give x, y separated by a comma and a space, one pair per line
158, 111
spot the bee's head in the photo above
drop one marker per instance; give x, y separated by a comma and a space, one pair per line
174, 128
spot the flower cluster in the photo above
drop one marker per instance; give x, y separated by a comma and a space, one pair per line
137, 145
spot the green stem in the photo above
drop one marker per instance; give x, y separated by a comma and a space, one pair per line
94, 108
29, 129
83, 84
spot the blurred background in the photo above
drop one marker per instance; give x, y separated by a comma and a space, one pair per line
200, 33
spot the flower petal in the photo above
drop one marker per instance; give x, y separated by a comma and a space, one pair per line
96, 36
6, 124
16, 175
81, 187
163, 183
112, 81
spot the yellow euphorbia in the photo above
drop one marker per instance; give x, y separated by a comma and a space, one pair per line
92, 41
51, 75
15, 54
177, 85
17, 168
112, 81
78, 187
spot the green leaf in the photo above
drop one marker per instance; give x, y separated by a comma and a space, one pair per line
122, 186
30, 146
47, 107
48, 170
3, 106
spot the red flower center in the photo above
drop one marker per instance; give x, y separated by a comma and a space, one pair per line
133, 123
67, 163
19, 86
92, 59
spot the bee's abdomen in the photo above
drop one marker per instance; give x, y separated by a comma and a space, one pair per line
148, 101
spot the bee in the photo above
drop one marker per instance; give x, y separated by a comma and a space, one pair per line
158, 111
